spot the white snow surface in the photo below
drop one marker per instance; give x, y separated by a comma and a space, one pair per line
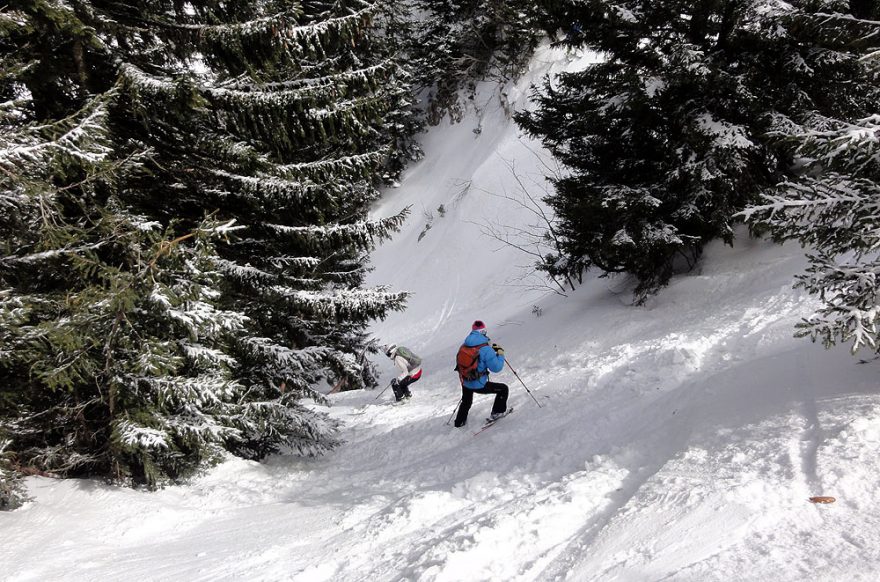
680, 440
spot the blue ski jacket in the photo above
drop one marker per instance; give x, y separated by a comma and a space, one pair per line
489, 361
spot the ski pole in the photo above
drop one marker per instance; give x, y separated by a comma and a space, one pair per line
523, 383
383, 390
454, 410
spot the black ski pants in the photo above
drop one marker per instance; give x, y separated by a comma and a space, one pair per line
467, 398
401, 388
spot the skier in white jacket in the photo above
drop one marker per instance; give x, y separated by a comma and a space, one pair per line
410, 370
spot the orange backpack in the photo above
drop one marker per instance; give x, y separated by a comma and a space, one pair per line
466, 362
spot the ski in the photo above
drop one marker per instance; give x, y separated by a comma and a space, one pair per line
490, 422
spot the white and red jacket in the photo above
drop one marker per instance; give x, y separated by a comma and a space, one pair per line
406, 367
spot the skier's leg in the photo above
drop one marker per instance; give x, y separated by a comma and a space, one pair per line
404, 386
398, 391
467, 398
500, 390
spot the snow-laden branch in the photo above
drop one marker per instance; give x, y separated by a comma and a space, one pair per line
351, 302
806, 198
206, 356
268, 185
200, 318
243, 272
361, 234
313, 105
725, 134
238, 29
296, 262
10, 18
225, 228
283, 28
81, 137
321, 29
363, 75
353, 163
308, 358
131, 435
51, 254
851, 302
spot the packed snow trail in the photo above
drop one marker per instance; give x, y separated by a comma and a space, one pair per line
678, 443
679, 440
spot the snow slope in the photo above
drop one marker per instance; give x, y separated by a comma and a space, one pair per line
679, 441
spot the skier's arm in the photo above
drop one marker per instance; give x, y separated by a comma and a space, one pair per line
494, 361
403, 365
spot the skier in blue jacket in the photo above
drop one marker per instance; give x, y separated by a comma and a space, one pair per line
476, 358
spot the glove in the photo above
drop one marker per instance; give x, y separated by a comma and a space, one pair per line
395, 382
498, 349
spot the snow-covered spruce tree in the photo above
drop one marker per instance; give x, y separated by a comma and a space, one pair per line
402, 122
12, 493
667, 138
54, 162
140, 344
459, 42
831, 202
275, 115
110, 340
97, 311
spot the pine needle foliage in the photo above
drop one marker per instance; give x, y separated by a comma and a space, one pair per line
457, 43
183, 213
672, 134
12, 491
831, 203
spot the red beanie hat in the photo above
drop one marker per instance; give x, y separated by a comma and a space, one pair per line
478, 326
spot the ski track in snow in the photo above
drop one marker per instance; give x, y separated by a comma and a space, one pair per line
678, 441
